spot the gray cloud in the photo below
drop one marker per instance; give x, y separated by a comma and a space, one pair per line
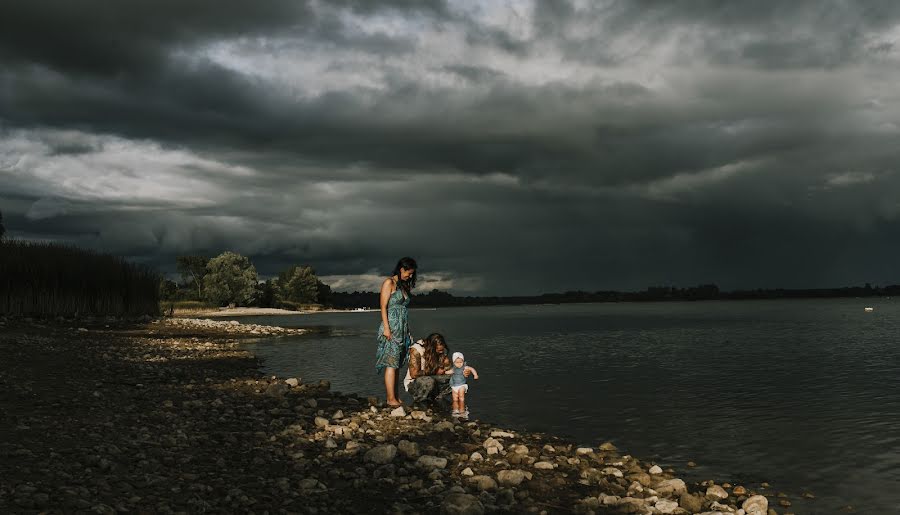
512, 148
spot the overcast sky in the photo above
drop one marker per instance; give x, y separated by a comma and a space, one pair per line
509, 146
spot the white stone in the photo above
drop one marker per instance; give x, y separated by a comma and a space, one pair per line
510, 477
655, 469
671, 487
612, 471
467, 472
398, 412
476, 456
292, 382
581, 451
716, 492
544, 465
502, 434
756, 505
666, 506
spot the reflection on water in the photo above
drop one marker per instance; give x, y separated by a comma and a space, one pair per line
802, 394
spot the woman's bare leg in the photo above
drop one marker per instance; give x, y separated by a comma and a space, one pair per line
390, 386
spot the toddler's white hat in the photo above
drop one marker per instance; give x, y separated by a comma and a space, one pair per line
458, 355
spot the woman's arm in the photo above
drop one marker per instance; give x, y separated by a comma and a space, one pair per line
474, 372
386, 291
414, 363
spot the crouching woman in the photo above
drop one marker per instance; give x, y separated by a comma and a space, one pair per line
428, 360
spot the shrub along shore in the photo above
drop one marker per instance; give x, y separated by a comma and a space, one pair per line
174, 416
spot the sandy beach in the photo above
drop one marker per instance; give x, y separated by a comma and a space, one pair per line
169, 416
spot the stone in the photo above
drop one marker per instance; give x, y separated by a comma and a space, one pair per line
510, 477
381, 454
292, 382
756, 505
612, 471
476, 456
739, 490
544, 465
666, 506
277, 390
502, 434
339, 414
581, 451
716, 492
431, 462
690, 503
443, 425
321, 422
409, 449
492, 446
655, 470
467, 472
398, 412
461, 504
483, 483
670, 487
519, 449
608, 446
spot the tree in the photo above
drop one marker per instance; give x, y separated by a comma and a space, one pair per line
298, 284
265, 294
230, 279
192, 270
167, 289
324, 294
2, 229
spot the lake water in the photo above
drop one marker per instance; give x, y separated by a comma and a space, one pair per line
802, 394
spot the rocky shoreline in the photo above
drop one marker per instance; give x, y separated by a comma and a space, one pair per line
172, 416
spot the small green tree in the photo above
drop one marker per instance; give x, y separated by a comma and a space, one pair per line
230, 279
298, 284
193, 270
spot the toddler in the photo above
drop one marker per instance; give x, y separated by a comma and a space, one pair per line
458, 383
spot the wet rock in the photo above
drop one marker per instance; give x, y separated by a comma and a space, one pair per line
739, 490
608, 447
655, 469
292, 382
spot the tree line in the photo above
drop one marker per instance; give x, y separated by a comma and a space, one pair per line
230, 279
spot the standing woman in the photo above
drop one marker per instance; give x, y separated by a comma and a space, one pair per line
394, 339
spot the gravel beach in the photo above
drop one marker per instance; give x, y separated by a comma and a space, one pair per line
172, 416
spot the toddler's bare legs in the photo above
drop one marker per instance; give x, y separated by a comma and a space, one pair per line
457, 394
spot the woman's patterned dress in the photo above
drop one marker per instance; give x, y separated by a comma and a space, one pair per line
392, 352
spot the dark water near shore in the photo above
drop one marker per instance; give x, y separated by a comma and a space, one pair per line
802, 394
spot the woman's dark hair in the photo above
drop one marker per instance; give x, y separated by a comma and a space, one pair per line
409, 264
432, 359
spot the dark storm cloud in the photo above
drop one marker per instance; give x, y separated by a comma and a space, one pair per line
634, 142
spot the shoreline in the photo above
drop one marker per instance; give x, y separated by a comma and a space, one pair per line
172, 415
241, 312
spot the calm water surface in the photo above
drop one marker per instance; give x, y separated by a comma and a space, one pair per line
802, 394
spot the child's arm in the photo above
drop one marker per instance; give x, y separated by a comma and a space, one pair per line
474, 372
